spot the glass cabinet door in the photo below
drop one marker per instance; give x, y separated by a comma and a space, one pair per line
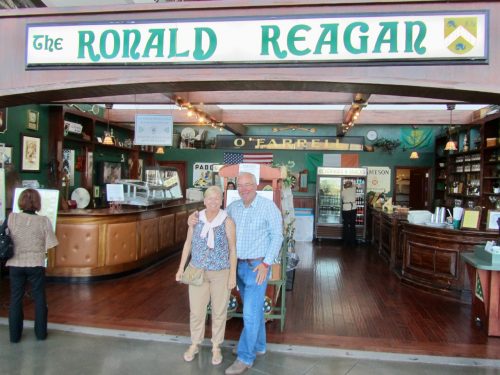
329, 207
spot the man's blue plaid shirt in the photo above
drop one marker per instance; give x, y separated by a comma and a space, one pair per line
259, 229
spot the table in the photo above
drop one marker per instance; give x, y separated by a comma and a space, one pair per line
485, 282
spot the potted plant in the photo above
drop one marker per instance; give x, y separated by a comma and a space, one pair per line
387, 145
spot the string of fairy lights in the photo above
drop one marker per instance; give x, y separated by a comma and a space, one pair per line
200, 116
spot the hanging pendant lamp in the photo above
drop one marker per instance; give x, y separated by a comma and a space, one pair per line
450, 145
108, 138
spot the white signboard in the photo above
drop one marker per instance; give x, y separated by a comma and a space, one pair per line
423, 36
378, 179
115, 193
251, 168
50, 201
152, 130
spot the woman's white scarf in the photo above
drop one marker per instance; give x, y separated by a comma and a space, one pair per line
208, 227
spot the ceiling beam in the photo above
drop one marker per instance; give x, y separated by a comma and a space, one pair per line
256, 98
235, 119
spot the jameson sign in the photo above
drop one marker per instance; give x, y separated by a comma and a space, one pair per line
289, 143
322, 38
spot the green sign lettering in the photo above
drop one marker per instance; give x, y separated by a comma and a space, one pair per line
292, 38
388, 34
363, 40
415, 44
328, 37
198, 53
271, 39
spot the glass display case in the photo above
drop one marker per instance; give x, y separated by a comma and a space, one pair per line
161, 184
328, 218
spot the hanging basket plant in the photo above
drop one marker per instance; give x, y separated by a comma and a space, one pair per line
387, 145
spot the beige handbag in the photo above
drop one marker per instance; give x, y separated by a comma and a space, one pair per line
192, 275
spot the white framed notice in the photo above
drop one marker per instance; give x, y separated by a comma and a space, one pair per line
50, 201
251, 168
115, 193
152, 130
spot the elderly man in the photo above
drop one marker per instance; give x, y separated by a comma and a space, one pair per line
259, 235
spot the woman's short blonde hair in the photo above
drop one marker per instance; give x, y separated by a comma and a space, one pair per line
213, 190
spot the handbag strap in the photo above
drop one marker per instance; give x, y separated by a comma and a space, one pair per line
4, 226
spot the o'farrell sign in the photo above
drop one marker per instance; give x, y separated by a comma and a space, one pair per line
264, 142
371, 37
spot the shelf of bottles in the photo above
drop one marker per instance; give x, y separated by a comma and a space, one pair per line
329, 201
465, 176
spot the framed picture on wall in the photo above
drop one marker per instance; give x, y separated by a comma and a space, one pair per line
492, 220
30, 153
109, 172
3, 120
6, 155
32, 120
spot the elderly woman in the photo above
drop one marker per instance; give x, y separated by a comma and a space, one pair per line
212, 245
32, 236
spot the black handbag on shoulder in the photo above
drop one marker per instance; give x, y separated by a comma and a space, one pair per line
6, 244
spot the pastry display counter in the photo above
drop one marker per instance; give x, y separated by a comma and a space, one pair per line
104, 242
426, 257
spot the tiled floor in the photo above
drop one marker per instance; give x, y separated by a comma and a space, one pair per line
75, 350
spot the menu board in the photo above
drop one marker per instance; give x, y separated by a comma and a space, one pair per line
50, 200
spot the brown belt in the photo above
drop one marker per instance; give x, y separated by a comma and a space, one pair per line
250, 261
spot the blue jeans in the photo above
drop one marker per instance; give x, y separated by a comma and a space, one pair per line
253, 336
19, 276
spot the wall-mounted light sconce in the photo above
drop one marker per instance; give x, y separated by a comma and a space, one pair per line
160, 150
414, 155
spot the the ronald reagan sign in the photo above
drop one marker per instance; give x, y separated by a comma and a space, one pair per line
373, 37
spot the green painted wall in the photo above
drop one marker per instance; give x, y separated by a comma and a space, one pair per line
17, 121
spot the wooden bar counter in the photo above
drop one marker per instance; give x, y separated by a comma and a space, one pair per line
426, 257
99, 243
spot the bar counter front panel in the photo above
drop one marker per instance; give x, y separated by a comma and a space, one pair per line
103, 243
426, 257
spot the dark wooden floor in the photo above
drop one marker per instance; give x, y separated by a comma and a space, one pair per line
343, 298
